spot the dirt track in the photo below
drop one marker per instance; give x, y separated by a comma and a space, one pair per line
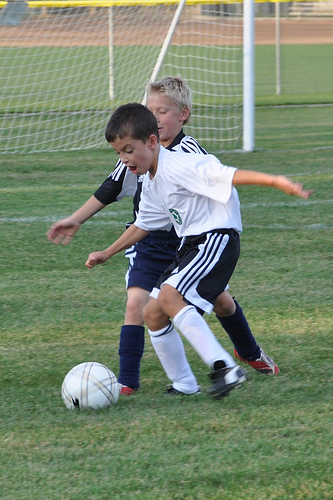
293, 31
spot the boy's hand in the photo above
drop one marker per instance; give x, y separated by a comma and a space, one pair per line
96, 258
293, 188
62, 231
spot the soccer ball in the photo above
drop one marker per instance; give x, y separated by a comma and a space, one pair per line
90, 385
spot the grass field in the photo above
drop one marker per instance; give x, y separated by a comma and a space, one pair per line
270, 440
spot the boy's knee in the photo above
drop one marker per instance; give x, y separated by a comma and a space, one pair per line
170, 300
167, 297
153, 316
147, 314
137, 298
224, 305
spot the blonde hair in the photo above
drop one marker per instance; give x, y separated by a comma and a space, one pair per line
175, 88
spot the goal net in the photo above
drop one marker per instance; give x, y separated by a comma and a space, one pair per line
66, 65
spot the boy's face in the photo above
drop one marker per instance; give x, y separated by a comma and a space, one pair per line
169, 119
138, 156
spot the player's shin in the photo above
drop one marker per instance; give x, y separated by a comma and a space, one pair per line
240, 334
131, 346
195, 329
170, 351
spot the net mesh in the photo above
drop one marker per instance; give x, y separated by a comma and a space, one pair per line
65, 69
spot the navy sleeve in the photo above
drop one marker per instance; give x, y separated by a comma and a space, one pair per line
117, 185
108, 191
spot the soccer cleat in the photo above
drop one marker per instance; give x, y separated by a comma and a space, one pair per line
171, 391
123, 389
226, 379
265, 364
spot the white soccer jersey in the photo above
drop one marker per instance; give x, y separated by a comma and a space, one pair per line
193, 192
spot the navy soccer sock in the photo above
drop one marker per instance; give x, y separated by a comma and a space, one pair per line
240, 334
131, 346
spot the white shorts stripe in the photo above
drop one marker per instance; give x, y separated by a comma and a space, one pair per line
187, 279
210, 252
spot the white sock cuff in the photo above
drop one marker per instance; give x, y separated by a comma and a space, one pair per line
162, 331
181, 313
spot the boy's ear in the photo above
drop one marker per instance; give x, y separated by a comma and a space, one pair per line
185, 113
152, 141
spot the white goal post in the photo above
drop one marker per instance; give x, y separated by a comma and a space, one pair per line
66, 65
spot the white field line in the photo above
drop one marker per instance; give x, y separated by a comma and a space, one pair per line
46, 189
83, 187
108, 214
104, 218
277, 204
54, 218
307, 227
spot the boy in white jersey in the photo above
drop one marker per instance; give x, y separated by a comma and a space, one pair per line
195, 194
170, 101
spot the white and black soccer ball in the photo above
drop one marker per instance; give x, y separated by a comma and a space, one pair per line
90, 385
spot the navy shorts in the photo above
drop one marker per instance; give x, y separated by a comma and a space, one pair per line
203, 267
149, 258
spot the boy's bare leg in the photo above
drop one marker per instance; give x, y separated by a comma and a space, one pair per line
137, 298
224, 305
154, 316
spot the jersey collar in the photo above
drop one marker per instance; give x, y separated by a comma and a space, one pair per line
176, 140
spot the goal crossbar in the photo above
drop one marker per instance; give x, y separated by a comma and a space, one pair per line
117, 3
33, 4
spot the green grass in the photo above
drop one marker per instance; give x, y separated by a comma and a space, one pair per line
306, 75
272, 439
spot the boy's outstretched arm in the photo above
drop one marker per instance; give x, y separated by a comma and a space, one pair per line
132, 235
276, 181
108, 192
64, 230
